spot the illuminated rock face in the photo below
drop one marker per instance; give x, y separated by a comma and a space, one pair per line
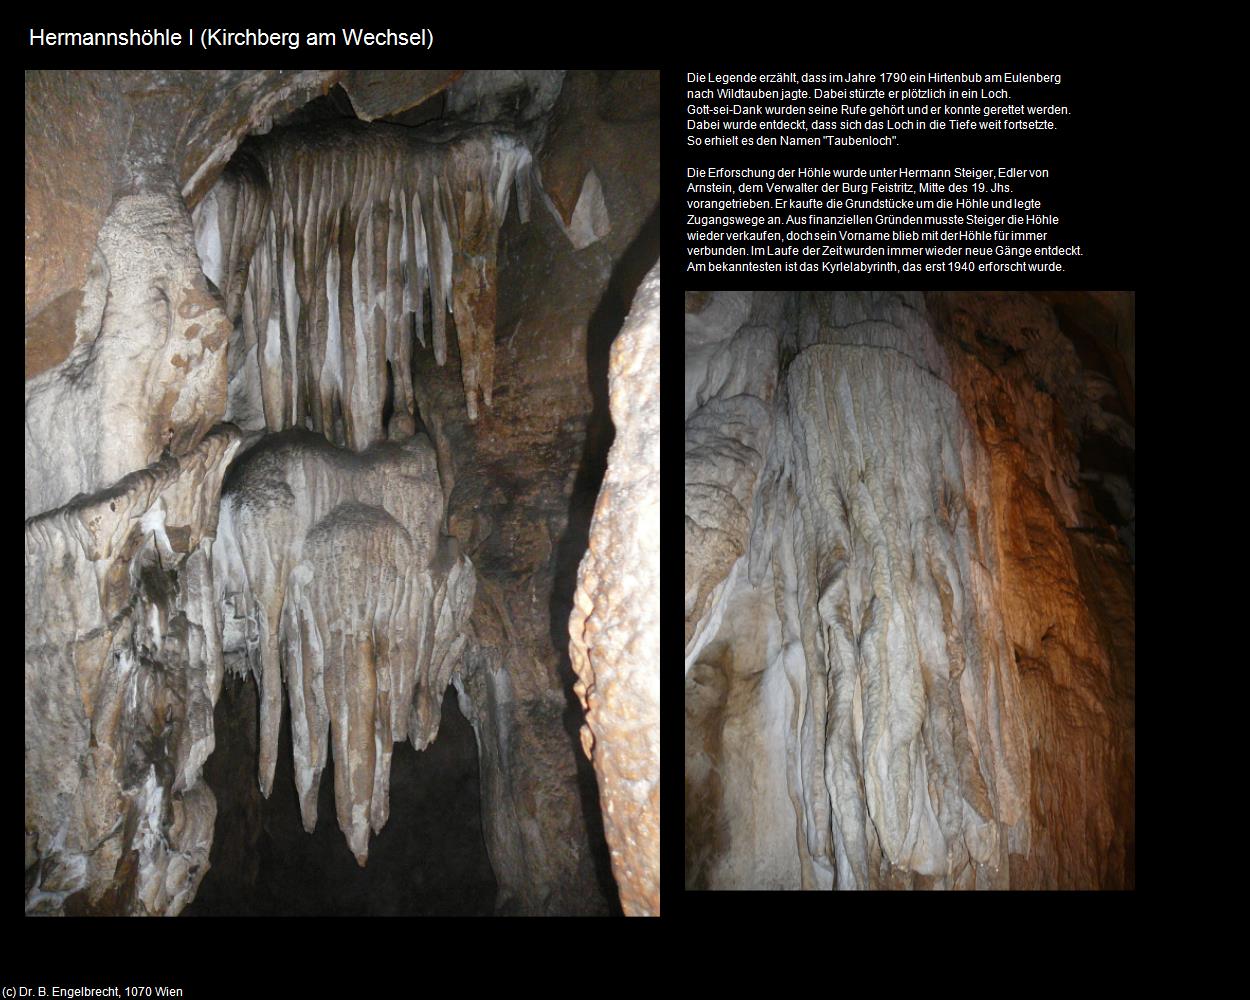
338, 585
868, 521
123, 667
147, 373
615, 625
325, 241
182, 316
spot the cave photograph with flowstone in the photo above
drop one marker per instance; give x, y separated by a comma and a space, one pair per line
909, 590
341, 493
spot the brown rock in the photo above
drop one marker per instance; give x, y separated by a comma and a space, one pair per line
74, 162
615, 625
379, 93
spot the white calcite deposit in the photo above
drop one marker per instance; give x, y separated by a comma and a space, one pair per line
339, 586
325, 242
123, 667
859, 709
227, 470
615, 624
147, 373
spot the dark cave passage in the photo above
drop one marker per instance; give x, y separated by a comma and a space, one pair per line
429, 859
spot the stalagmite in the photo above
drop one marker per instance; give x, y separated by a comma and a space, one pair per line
615, 624
338, 583
325, 241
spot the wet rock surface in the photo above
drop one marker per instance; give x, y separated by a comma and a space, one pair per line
909, 656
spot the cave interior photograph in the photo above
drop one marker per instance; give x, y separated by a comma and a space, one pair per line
910, 569
341, 492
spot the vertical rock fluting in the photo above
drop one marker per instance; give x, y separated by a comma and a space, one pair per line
338, 584
1066, 581
123, 667
615, 623
860, 708
912, 743
731, 375
325, 241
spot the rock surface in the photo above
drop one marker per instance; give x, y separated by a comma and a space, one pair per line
615, 625
123, 667
495, 95
147, 373
67, 198
532, 820
94, 137
321, 573
380, 93
907, 665
526, 478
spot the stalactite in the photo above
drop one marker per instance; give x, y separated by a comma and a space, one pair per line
325, 241
178, 315
337, 581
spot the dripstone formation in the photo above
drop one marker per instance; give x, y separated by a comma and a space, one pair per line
326, 242
339, 586
314, 412
909, 658
615, 624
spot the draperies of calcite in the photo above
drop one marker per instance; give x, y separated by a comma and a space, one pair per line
912, 740
730, 379
123, 667
615, 623
904, 747
336, 579
325, 241
908, 666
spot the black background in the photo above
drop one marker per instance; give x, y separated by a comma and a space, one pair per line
1129, 134
1089, 155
